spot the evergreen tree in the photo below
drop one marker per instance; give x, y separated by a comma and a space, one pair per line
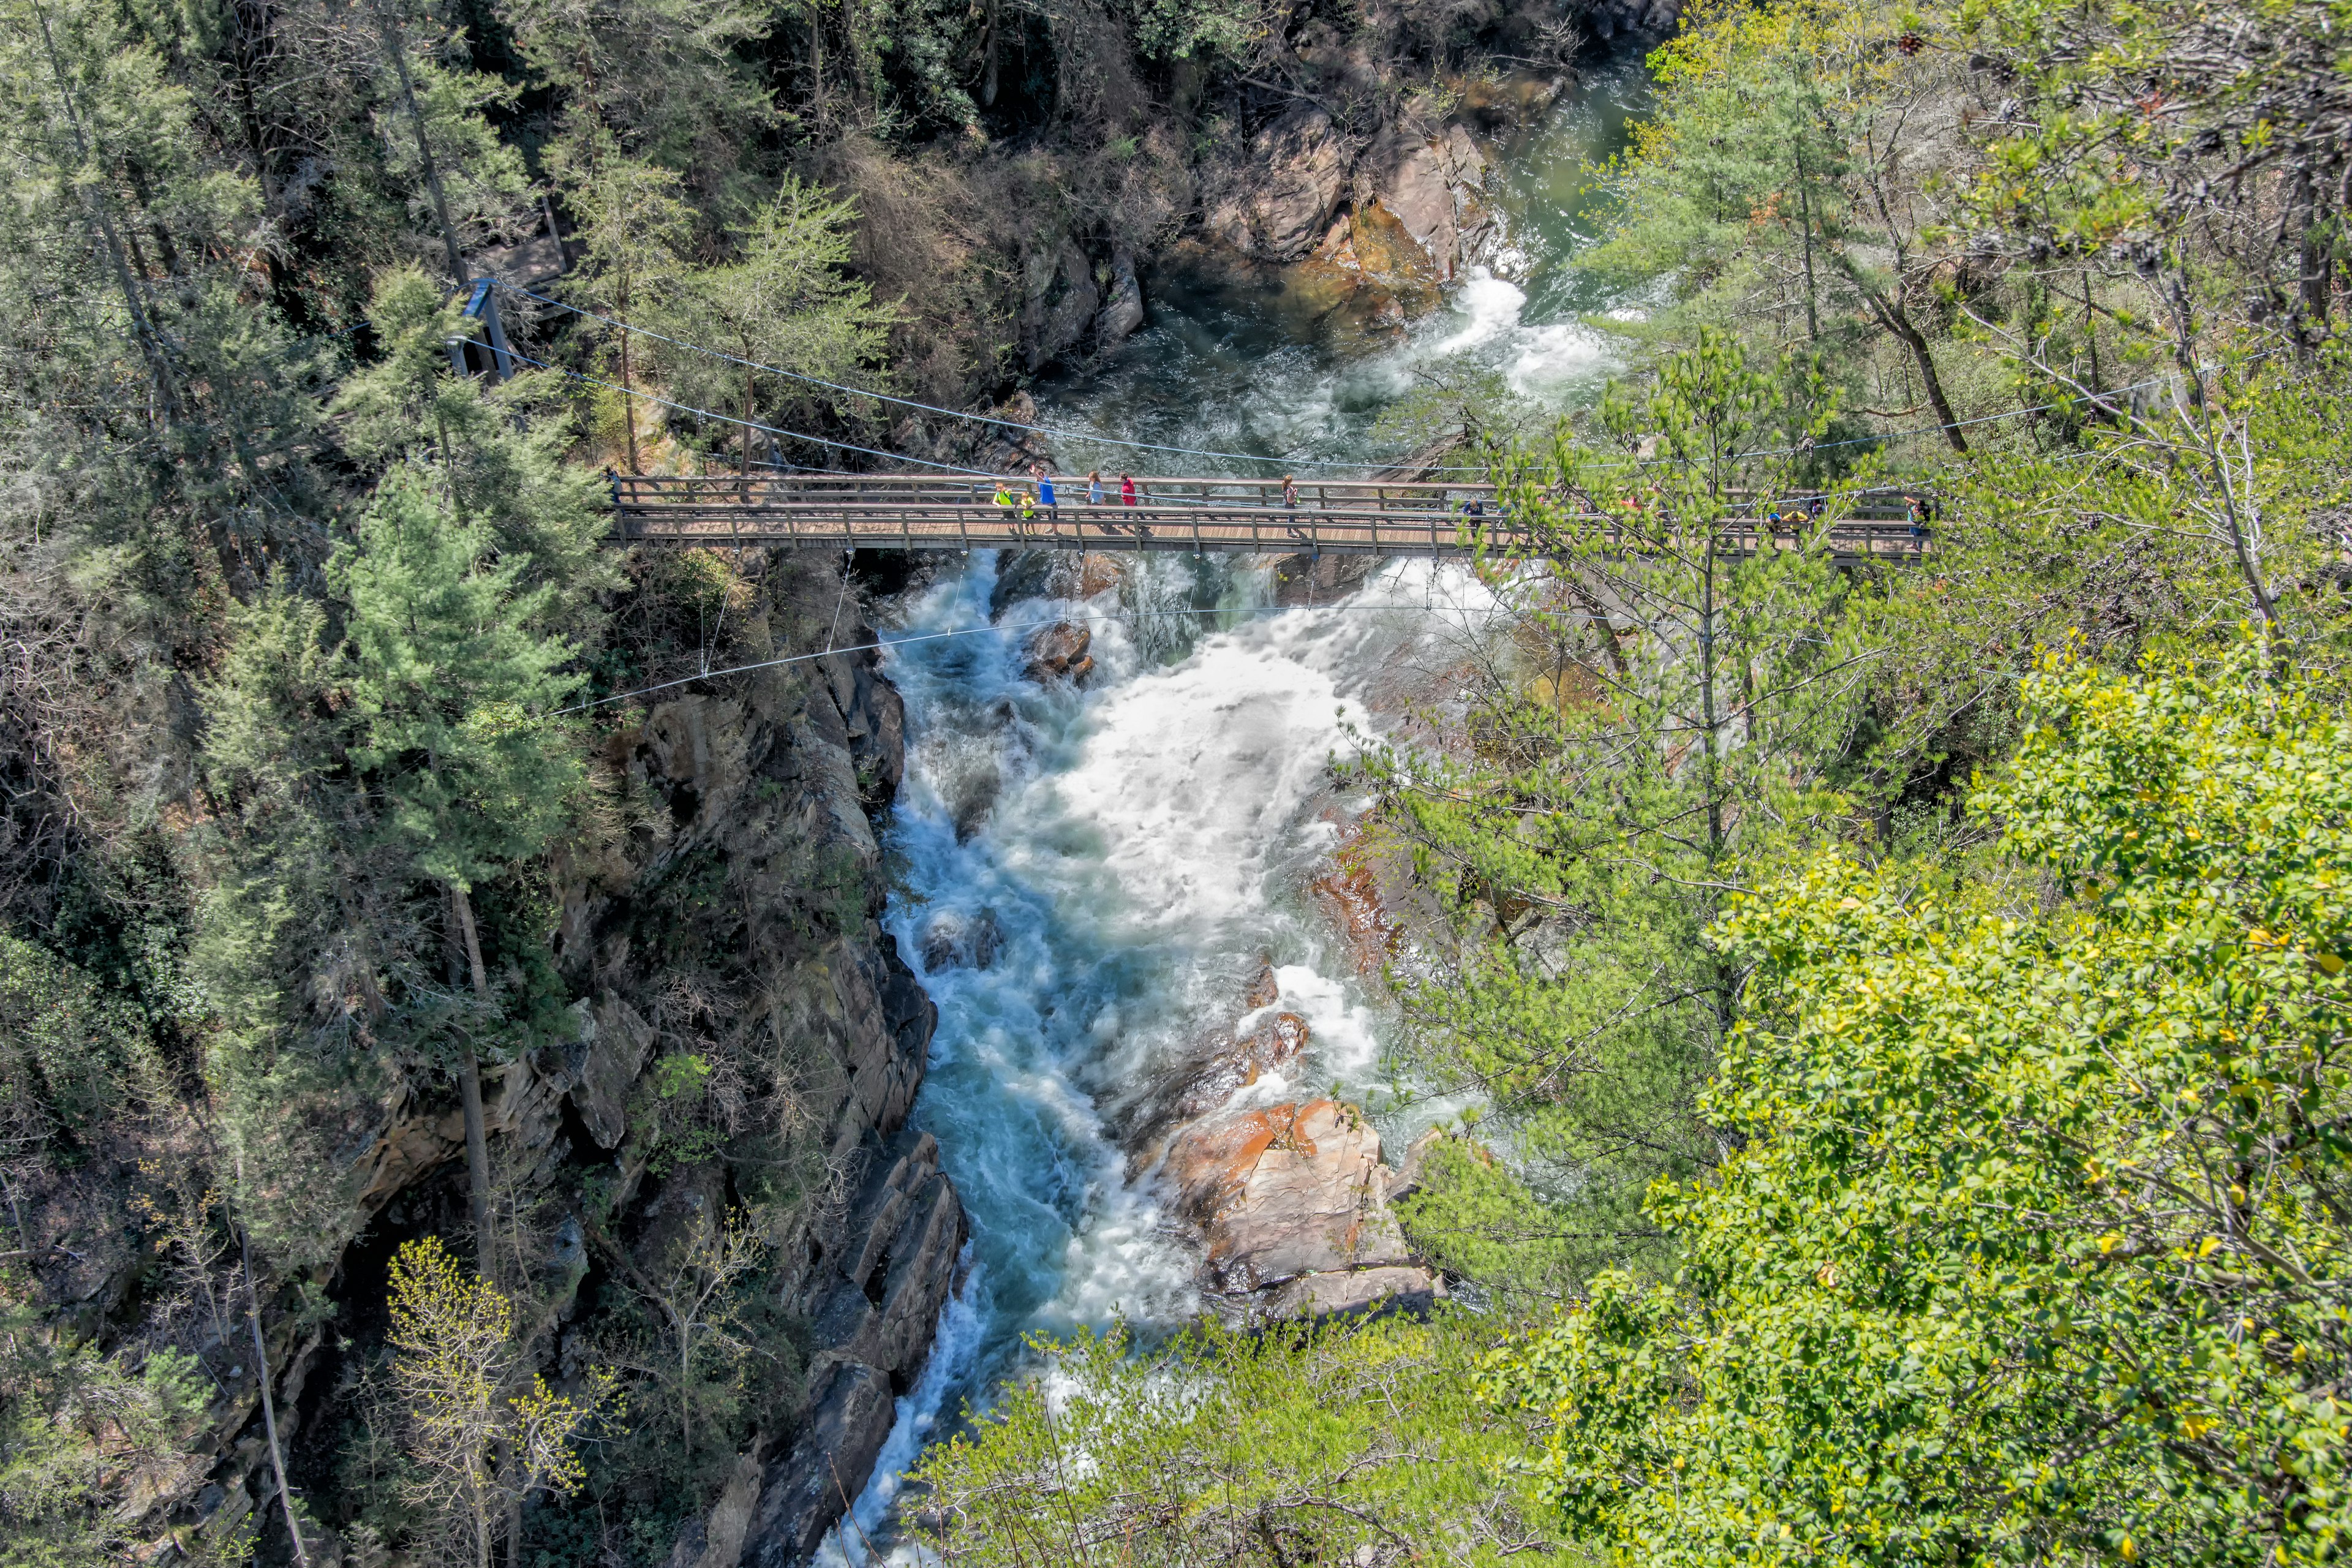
500, 452
634, 225
784, 302
450, 677
670, 83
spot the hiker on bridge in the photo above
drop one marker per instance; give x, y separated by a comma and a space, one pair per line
1005, 501
1094, 486
1045, 496
1289, 491
1127, 490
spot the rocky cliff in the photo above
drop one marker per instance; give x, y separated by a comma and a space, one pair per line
741, 1047
790, 777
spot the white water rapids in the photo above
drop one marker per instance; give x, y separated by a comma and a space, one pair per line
1147, 849
1126, 857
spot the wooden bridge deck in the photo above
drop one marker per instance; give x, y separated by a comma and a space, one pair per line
918, 511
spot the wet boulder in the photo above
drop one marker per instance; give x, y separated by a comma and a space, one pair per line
1120, 317
1274, 1045
1059, 653
953, 940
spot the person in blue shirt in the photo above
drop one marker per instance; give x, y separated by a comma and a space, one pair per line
1045, 499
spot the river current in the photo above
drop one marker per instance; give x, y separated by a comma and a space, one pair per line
1090, 878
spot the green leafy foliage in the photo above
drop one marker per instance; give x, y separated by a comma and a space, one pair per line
1661, 715
1341, 1443
2033, 1245
67, 1048
785, 301
73, 1426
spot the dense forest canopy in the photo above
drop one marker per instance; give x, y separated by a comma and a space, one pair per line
1902, 1002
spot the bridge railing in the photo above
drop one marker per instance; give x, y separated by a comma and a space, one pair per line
936, 513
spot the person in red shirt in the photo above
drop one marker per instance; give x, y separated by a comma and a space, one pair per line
1126, 489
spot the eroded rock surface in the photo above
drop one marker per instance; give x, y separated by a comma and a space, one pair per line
1124, 314
873, 1306
1293, 1202
1059, 653
768, 801
1404, 210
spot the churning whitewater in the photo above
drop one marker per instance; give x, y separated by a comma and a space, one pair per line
1088, 880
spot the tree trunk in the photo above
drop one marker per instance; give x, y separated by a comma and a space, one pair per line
1891, 314
2311, 257
469, 1087
398, 49
151, 342
269, 1406
2091, 336
743, 468
1805, 212
628, 387
988, 44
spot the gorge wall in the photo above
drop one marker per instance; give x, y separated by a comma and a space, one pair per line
744, 1048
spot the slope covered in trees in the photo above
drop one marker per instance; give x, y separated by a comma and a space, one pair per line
1909, 1124
337, 910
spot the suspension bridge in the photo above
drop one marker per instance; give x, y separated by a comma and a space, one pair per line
935, 511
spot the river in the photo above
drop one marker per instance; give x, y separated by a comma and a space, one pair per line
1126, 856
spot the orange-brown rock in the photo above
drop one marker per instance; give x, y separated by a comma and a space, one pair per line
1059, 653
1353, 896
1291, 1199
1274, 1045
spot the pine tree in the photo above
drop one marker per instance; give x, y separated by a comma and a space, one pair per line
634, 225
500, 452
786, 303
450, 679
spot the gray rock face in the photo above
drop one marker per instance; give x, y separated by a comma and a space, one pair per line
1635, 18
1306, 189
1298, 170
1434, 187
1059, 304
784, 777
872, 1304
1124, 314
